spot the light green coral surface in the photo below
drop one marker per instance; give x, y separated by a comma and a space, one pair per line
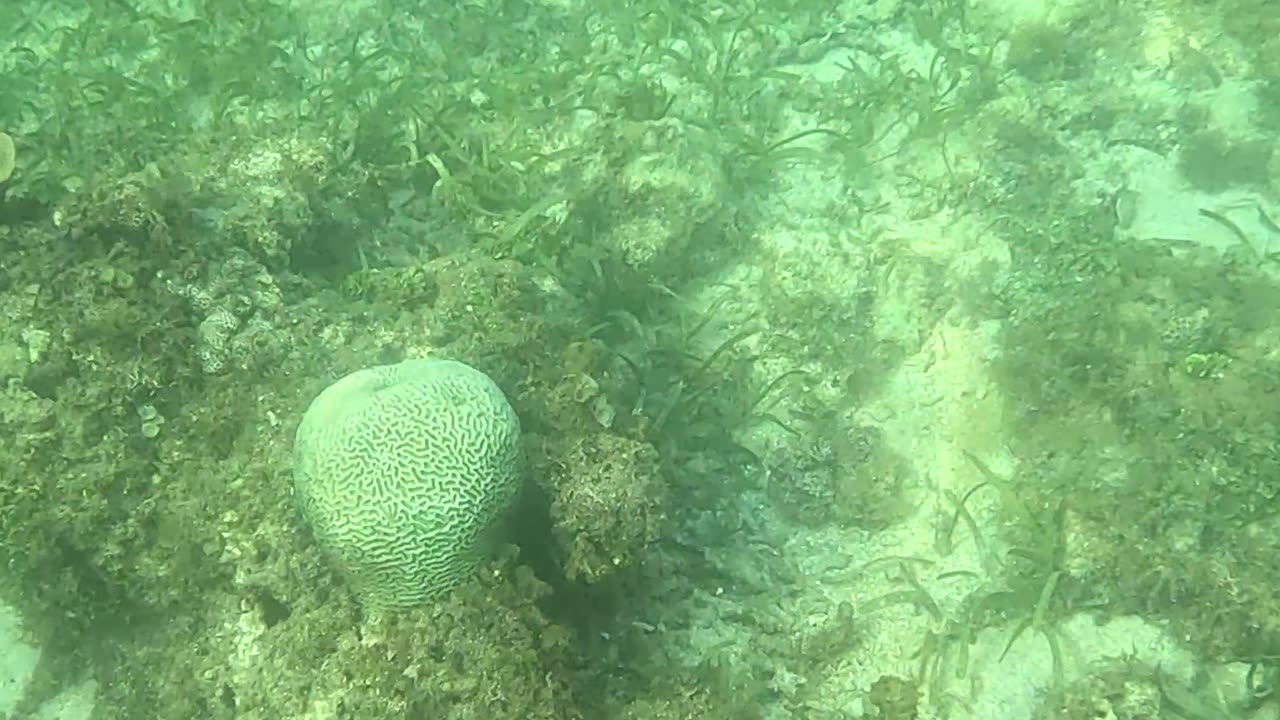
401, 471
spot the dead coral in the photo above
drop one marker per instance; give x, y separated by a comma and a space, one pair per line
484, 652
895, 698
606, 497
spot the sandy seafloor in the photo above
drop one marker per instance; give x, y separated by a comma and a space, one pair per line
941, 403
938, 405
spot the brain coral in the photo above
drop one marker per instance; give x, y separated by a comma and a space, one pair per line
403, 471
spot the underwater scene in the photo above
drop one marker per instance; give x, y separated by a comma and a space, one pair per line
640, 360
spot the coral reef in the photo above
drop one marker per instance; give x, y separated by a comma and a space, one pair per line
776, 291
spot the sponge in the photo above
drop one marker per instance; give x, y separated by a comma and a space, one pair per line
404, 473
